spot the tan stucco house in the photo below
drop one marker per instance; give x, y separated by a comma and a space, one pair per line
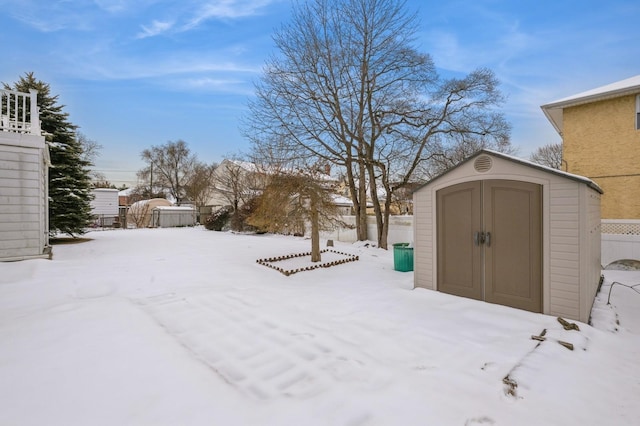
600, 131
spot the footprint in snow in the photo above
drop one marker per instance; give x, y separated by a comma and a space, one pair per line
94, 291
484, 420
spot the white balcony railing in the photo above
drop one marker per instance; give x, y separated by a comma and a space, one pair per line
19, 112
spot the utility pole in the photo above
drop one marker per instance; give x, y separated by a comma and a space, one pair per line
151, 181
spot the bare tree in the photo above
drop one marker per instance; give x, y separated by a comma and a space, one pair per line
548, 155
237, 181
349, 89
201, 183
171, 166
236, 184
91, 151
142, 191
138, 213
443, 157
90, 148
293, 198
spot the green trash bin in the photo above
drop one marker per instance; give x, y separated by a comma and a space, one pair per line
402, 257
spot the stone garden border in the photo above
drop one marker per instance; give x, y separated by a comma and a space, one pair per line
269, 262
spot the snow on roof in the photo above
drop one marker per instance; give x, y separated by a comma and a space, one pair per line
341, 200
568, 175
255, 168
173, 208
246, 165
528, 163
554, 110
152, 202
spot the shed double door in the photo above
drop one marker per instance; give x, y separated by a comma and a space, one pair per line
489, 242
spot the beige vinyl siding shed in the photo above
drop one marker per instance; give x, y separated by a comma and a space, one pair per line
173, 216
24, 222
527, 213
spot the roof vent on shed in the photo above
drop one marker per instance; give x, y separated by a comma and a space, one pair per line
483, 164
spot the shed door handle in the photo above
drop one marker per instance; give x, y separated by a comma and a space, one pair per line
478, 238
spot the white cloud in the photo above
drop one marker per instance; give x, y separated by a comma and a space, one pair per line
156, 27
191, 14
53, 16
225, 9
112, 6
213, 84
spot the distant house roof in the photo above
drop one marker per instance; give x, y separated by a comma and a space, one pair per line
126, 192
246, 165
554, 110
152, 203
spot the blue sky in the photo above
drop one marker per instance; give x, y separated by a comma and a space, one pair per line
137, 73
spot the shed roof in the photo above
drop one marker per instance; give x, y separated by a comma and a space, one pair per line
526, 163
554, 110
174, 208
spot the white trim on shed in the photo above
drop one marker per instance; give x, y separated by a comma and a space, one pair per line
571, 266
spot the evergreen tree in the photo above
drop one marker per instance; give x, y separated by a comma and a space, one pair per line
69, 176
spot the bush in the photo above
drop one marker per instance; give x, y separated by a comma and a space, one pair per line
239, 220
218, 219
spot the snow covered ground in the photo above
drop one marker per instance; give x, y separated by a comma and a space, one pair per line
183, 327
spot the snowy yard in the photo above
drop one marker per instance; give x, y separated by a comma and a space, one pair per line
183, 327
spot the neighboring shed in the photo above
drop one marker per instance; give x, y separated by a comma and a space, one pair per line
105, 202
507, 231
139, 213
105, 205
173, 216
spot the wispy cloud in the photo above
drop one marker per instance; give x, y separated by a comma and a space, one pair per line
226, 9
156, 28
192, 14
113, 6
212, 73
214, 84
58, 15
51, 19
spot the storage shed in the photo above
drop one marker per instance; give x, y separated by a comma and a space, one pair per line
173, 216
105, 206
508, 231
139, 213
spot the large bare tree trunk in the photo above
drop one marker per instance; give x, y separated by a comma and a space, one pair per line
315, 229
384, 232
380, 220
361, 213
359, 200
